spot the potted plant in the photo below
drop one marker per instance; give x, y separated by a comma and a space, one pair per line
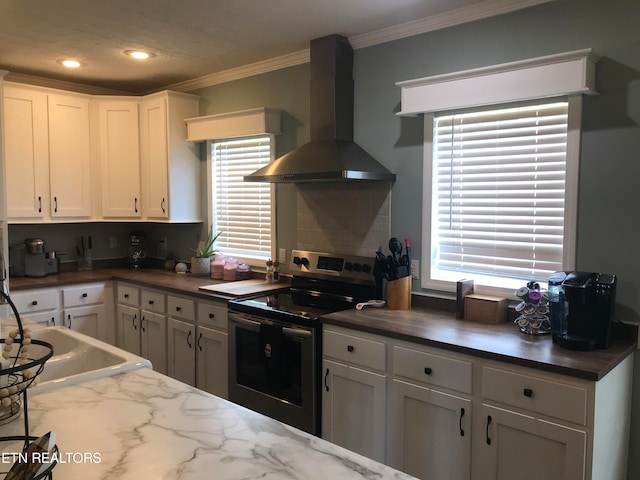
201, 263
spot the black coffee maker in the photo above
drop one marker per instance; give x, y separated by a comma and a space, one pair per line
581, 306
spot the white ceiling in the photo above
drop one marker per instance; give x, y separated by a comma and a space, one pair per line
197, 39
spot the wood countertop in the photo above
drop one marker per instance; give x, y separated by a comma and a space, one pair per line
501, 342
152, 278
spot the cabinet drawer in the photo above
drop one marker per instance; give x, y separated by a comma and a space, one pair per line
433, 369
355, 350
128, 295
181, 308
212, 315
559, 400
35, 301
152, 301
83, 295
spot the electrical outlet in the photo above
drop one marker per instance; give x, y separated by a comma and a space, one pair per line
415, 269
163, 247
282, 255
113, 242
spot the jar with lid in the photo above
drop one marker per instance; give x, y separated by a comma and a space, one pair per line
230, 271
244, 271
217, 266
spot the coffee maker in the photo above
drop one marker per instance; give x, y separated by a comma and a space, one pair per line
581, 306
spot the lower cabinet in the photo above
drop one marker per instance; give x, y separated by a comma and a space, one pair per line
446, 415
212, 362
430, 432
181, 338
88, 310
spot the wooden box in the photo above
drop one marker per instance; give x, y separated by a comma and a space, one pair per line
485, 308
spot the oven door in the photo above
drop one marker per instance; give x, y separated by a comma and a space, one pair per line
273, 369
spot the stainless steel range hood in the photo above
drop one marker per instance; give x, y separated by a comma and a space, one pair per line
331, 155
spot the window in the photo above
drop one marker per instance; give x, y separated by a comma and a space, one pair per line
497, 193
242, 210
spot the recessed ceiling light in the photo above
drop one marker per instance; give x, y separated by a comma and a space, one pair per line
70, 63
138, 54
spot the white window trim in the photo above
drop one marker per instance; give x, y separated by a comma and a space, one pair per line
570, 209
254, 262
568, 74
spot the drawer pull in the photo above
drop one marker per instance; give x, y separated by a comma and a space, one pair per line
34, 303
150, 302
53, 321
427, 370
126, 295
84, 295
528, 392
188, 337
133, 322
350, 348
178, 309
142, 324
212, 315
200, 340
487, 434
326, 376
460, 425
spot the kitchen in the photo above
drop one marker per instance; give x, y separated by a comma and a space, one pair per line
608, 196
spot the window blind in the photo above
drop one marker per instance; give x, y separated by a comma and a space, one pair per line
499, 192
242, 210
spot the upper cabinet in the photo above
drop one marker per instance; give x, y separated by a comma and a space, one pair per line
47, 155
170, 164
119, 157
73, 157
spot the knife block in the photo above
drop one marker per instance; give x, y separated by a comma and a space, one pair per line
399, 294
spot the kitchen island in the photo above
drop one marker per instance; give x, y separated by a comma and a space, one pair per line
144, 425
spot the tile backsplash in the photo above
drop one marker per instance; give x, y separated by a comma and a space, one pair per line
350, 217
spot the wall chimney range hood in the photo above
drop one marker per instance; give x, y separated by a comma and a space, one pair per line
331, 155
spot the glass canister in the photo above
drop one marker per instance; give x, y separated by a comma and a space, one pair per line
244, 271
217, 266
230, 272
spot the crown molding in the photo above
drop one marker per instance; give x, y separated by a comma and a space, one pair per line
62, 84
277, 63
448, 19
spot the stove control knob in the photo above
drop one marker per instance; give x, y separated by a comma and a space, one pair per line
366, 268
348, 266
301, 261
357, 267
296, 260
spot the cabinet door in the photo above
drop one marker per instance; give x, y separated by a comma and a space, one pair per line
86, 320
354, 409
129, 329
48, 319
119, 158
527, 448
153, 337
154, 156
26, 153
212, 361
181, 353
430, 433
69, 156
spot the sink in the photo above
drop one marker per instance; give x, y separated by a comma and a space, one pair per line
79, 358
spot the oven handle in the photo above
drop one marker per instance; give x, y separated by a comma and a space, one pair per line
296, 332
253, 325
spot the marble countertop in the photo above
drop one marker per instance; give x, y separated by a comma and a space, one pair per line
144, 425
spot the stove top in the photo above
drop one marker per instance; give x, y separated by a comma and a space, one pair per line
322, 283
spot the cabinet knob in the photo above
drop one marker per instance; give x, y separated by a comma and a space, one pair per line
212, 315
427, 370
126, 295
178, 309
528, 392
150, 302
350, 348
84, 295
34, 303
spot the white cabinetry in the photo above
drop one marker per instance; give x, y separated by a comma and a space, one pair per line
69, 156
88, 310
142, 324
47, 136
354, 392
430, 414
212, 362
119, 155
170, 164
26, 152
458, 416
181, 338
40, 305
